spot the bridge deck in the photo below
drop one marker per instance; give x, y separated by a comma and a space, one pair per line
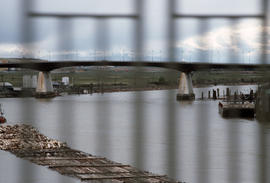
43, 65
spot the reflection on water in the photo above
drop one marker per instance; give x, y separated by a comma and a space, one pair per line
208, 147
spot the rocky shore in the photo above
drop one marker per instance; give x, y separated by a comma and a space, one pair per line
25, 137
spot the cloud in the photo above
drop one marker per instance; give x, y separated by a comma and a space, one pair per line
246, 35
243, 38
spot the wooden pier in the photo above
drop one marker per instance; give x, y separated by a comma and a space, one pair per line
27, 143
236, 109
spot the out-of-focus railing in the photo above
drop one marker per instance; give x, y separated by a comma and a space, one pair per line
102, 121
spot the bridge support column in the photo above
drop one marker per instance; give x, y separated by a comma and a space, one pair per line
185, 91
44, 85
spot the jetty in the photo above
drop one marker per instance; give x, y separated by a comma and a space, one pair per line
26, 142
236, 109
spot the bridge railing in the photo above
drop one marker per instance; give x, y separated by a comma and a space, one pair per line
172, 157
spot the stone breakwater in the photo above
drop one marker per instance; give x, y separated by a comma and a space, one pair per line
26, 142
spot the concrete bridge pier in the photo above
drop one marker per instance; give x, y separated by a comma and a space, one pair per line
44, 85
185, 91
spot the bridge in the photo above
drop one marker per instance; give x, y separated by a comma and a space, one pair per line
185, 82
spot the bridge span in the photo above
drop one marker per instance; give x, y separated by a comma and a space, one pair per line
47, 66
185, 81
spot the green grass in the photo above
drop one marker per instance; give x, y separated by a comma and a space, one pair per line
142, 78
93, 76
217, 77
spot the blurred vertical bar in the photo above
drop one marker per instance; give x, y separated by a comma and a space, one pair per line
171, 112
233, 129
262, 145
27, 109
103, 110
26, 25
65, 108
264, 36
139, 136
202, 130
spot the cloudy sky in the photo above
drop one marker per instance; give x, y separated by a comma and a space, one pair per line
88, 39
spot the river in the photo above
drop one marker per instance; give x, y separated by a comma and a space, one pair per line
208, 147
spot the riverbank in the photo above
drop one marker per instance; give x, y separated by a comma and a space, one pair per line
86, 89
24, 141
107, 80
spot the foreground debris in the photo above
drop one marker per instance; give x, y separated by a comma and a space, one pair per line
26, 142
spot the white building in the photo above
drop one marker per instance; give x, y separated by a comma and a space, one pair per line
65, 80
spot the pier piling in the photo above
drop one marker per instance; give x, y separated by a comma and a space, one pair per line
214, 94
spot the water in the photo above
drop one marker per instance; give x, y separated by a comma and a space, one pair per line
208, 147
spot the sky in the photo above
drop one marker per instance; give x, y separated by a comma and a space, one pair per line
88, 39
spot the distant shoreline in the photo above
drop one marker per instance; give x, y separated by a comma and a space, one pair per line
128, 89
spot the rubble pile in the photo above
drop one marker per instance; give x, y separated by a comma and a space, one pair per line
25, 137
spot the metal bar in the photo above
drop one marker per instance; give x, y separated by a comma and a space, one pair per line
103, 110
202, 124
218, 16
233, 129
171, 111
139, 129
79, 15
262, 144
28, 111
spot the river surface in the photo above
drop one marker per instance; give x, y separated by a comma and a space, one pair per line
208, 148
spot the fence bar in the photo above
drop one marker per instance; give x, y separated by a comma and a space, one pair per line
84, 15
262, 145
27, 107
66, 115
233, 129
202, 129
103, 108
139, 134
171, 111
217, 16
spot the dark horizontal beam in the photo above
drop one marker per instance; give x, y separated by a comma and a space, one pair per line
82, 15
218, 16
181, 66
135, 16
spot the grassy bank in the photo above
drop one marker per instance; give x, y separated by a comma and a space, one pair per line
106, 76
227, 77
146, 78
